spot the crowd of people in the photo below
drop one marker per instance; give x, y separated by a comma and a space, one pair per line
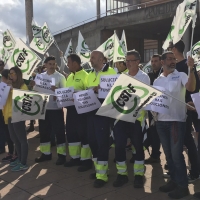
89, 135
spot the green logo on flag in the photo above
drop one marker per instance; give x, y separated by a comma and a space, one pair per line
109, 45
85, 50
26, 105
126, 96
7, 42
46, 34
20, 56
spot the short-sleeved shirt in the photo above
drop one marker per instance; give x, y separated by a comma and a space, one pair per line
174, 85
142, 76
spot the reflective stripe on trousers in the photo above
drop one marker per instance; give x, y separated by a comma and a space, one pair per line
86, 153
75, 149
138, 168
121, 168
61, 149
45, 148
101, 170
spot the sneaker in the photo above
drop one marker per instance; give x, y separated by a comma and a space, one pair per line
152, 160
43, 158
61, 160
93, 176
14, 163
19, 167
14, 158
192, 178
120, 181
7, 158
84, 168
73, 162
179, 193
197, 195
138, 181
166, 175
170, 186
98, 183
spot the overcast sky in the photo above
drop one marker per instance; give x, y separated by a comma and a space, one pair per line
59, 14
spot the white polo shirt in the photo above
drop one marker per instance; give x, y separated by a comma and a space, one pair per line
141, 76
174, 85
59, 83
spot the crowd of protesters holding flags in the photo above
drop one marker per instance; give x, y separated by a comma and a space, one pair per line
89, 134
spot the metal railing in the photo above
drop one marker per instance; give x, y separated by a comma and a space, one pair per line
112, 11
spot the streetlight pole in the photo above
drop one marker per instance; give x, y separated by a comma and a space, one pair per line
29, 17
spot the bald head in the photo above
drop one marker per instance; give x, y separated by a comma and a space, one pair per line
97, 60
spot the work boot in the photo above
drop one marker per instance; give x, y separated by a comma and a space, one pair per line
138, 181
152, 160
120, 181
179, 193
43, 158
84, 168
93, 176
73, 162
170, 186
61, 160
98, 183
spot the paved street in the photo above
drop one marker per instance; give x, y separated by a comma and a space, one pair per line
48, 181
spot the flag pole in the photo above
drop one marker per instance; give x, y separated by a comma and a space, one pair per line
193, 27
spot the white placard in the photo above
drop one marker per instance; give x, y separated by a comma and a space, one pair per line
160, 104
107, 81
43, 83
196, 100
103, 92
64, 97
4, 91
86, 101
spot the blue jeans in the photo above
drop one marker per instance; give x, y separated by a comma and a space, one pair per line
172, 139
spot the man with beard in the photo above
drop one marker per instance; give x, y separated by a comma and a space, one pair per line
171, 127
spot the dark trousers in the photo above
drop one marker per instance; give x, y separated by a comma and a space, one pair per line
9, 141
172, 138
98, 129
153, 139
192, 150
76, 126
54, 121
2, 132
122, 130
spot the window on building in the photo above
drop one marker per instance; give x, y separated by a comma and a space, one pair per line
148, 53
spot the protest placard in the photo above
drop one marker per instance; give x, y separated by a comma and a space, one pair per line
4, 92
86, 101
160, 104
64, 97
196, 101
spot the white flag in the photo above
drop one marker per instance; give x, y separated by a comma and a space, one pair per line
170, 35
107, 48
123, 42
119, 54
184, 14
24, 58
147, 68
196, 55
37, 30
41, 45
28, 105
127, 98
4, 55
69, 49
8, 40
83, 49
